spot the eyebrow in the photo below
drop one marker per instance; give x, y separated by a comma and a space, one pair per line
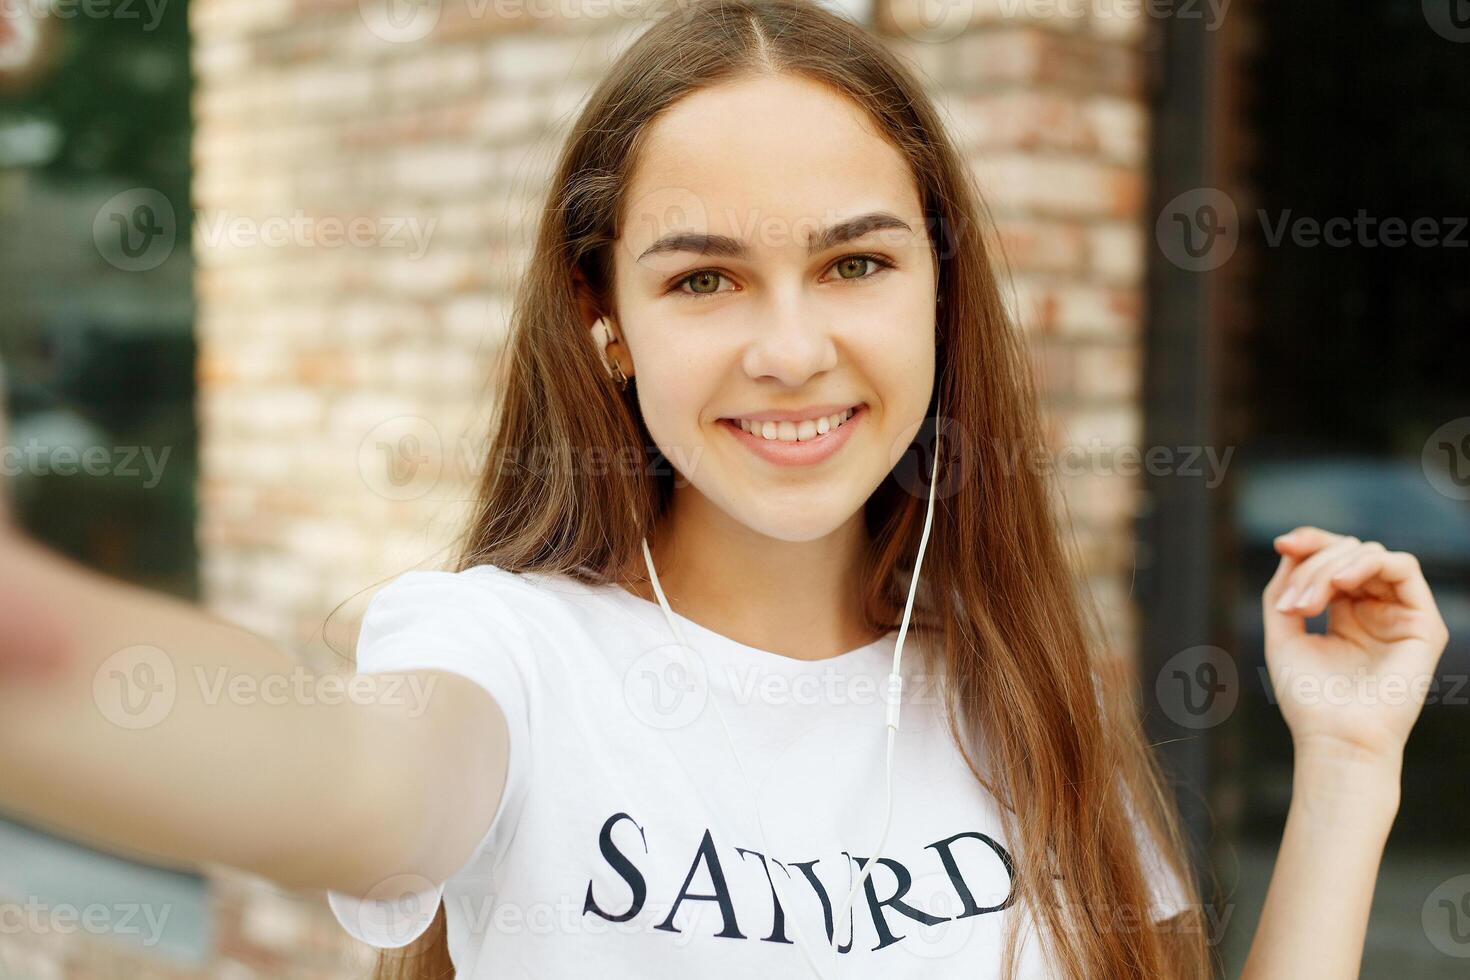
724, 245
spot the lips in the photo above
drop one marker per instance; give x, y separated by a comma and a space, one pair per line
798, 439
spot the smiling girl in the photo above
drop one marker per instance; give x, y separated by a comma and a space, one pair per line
654, 742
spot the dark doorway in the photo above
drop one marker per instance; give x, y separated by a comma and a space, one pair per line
1325, 345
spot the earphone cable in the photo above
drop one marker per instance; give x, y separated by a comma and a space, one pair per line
893, 696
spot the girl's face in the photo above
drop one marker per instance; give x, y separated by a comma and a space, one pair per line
774, 267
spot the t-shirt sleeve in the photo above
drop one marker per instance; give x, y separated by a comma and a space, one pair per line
1168, 893
463, 623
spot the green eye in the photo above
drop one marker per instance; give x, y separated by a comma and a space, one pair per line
857, 263
711, 278
706, 282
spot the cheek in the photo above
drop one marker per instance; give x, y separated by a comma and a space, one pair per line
895, 351
674, 394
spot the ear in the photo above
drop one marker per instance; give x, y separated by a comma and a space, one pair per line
589, 314
605, 340
587, 304
601, 337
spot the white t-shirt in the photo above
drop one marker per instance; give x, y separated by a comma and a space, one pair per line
626, 843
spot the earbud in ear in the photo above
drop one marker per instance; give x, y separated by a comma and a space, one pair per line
603, 337
601, 334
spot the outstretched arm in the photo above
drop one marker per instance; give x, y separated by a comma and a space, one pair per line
311, 792
1350, 697
34, 637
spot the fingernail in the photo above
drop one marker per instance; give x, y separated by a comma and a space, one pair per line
1287, 598
1308, 597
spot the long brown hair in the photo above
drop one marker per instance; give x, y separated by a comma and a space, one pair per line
1017, 649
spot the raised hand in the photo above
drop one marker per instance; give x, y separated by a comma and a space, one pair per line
1359, 686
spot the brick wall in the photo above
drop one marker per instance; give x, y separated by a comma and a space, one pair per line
1051, 112
320, 363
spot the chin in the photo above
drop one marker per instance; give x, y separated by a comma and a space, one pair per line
796, 514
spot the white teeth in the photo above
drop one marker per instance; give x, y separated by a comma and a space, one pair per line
795, 431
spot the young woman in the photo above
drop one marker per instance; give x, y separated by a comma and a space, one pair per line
652, 740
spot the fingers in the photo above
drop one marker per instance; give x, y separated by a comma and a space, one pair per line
1279, 624
1355, 576
1317, 566
1305, 540
1395, 572
1307, 589
1312, 588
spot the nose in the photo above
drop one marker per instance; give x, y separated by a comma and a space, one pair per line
791, 343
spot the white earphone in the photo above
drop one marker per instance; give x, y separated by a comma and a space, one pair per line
892, 695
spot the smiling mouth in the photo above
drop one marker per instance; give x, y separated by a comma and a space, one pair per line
803, 430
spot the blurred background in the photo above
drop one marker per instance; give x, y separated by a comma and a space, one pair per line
255, 261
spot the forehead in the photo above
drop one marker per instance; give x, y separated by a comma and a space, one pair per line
759, 158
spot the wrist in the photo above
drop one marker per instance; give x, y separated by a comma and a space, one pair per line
1337, 780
